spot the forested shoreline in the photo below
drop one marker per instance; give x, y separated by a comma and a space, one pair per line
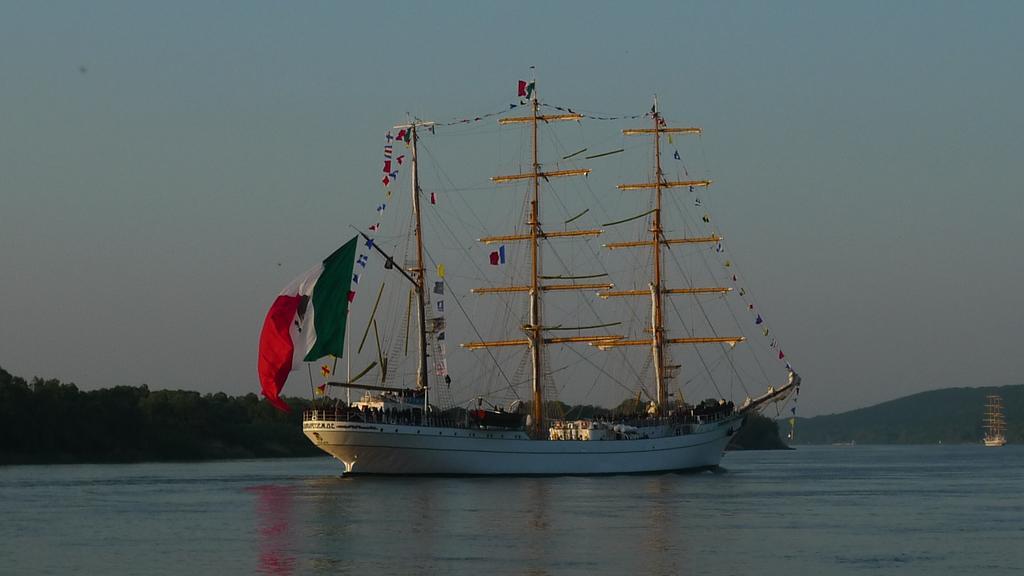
46, 421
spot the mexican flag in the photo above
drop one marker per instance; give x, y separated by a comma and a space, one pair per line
526, 89
306, 321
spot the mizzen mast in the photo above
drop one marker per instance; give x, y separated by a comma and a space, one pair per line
657, 289
535, 338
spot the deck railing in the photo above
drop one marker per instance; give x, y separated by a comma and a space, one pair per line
406, 417
413, 417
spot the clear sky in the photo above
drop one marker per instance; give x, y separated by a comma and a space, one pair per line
158, 161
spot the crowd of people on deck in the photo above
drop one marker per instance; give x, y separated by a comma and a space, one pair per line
707, 411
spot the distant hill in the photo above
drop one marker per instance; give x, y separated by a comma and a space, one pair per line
950, 416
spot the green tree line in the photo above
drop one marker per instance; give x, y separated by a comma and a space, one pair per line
45, 421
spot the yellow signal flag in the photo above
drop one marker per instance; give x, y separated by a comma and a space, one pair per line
440, 270
321, 389
325, 370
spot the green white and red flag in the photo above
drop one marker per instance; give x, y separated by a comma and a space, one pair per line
306, 321
526, 89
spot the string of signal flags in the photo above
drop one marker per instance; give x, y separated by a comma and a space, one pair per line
525, 92
498, 257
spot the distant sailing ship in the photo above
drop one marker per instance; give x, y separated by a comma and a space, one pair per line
995, 422
418, 429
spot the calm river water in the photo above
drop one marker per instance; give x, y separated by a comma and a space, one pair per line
815, 510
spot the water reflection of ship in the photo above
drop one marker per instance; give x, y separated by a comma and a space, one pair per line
662, 558
548, 526
274, 521
539, 540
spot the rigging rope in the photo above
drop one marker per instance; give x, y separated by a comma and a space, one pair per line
637, 217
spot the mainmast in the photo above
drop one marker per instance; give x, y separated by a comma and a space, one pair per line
657, 326
657, 290
535, 338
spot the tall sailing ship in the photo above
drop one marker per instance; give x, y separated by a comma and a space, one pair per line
995, 422
386, 419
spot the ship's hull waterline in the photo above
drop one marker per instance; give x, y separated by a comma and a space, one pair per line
366, 448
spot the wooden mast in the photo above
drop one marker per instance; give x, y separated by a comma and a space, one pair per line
657, 290
657, 326
417, 273
536, 341
534, 330
421, 298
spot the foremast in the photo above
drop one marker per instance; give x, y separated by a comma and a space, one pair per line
415, 274
657, 290
420, 269
534, 330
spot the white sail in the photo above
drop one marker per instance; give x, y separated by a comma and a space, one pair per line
995, 422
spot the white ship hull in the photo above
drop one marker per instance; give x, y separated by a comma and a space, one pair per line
995, 442
367, 448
